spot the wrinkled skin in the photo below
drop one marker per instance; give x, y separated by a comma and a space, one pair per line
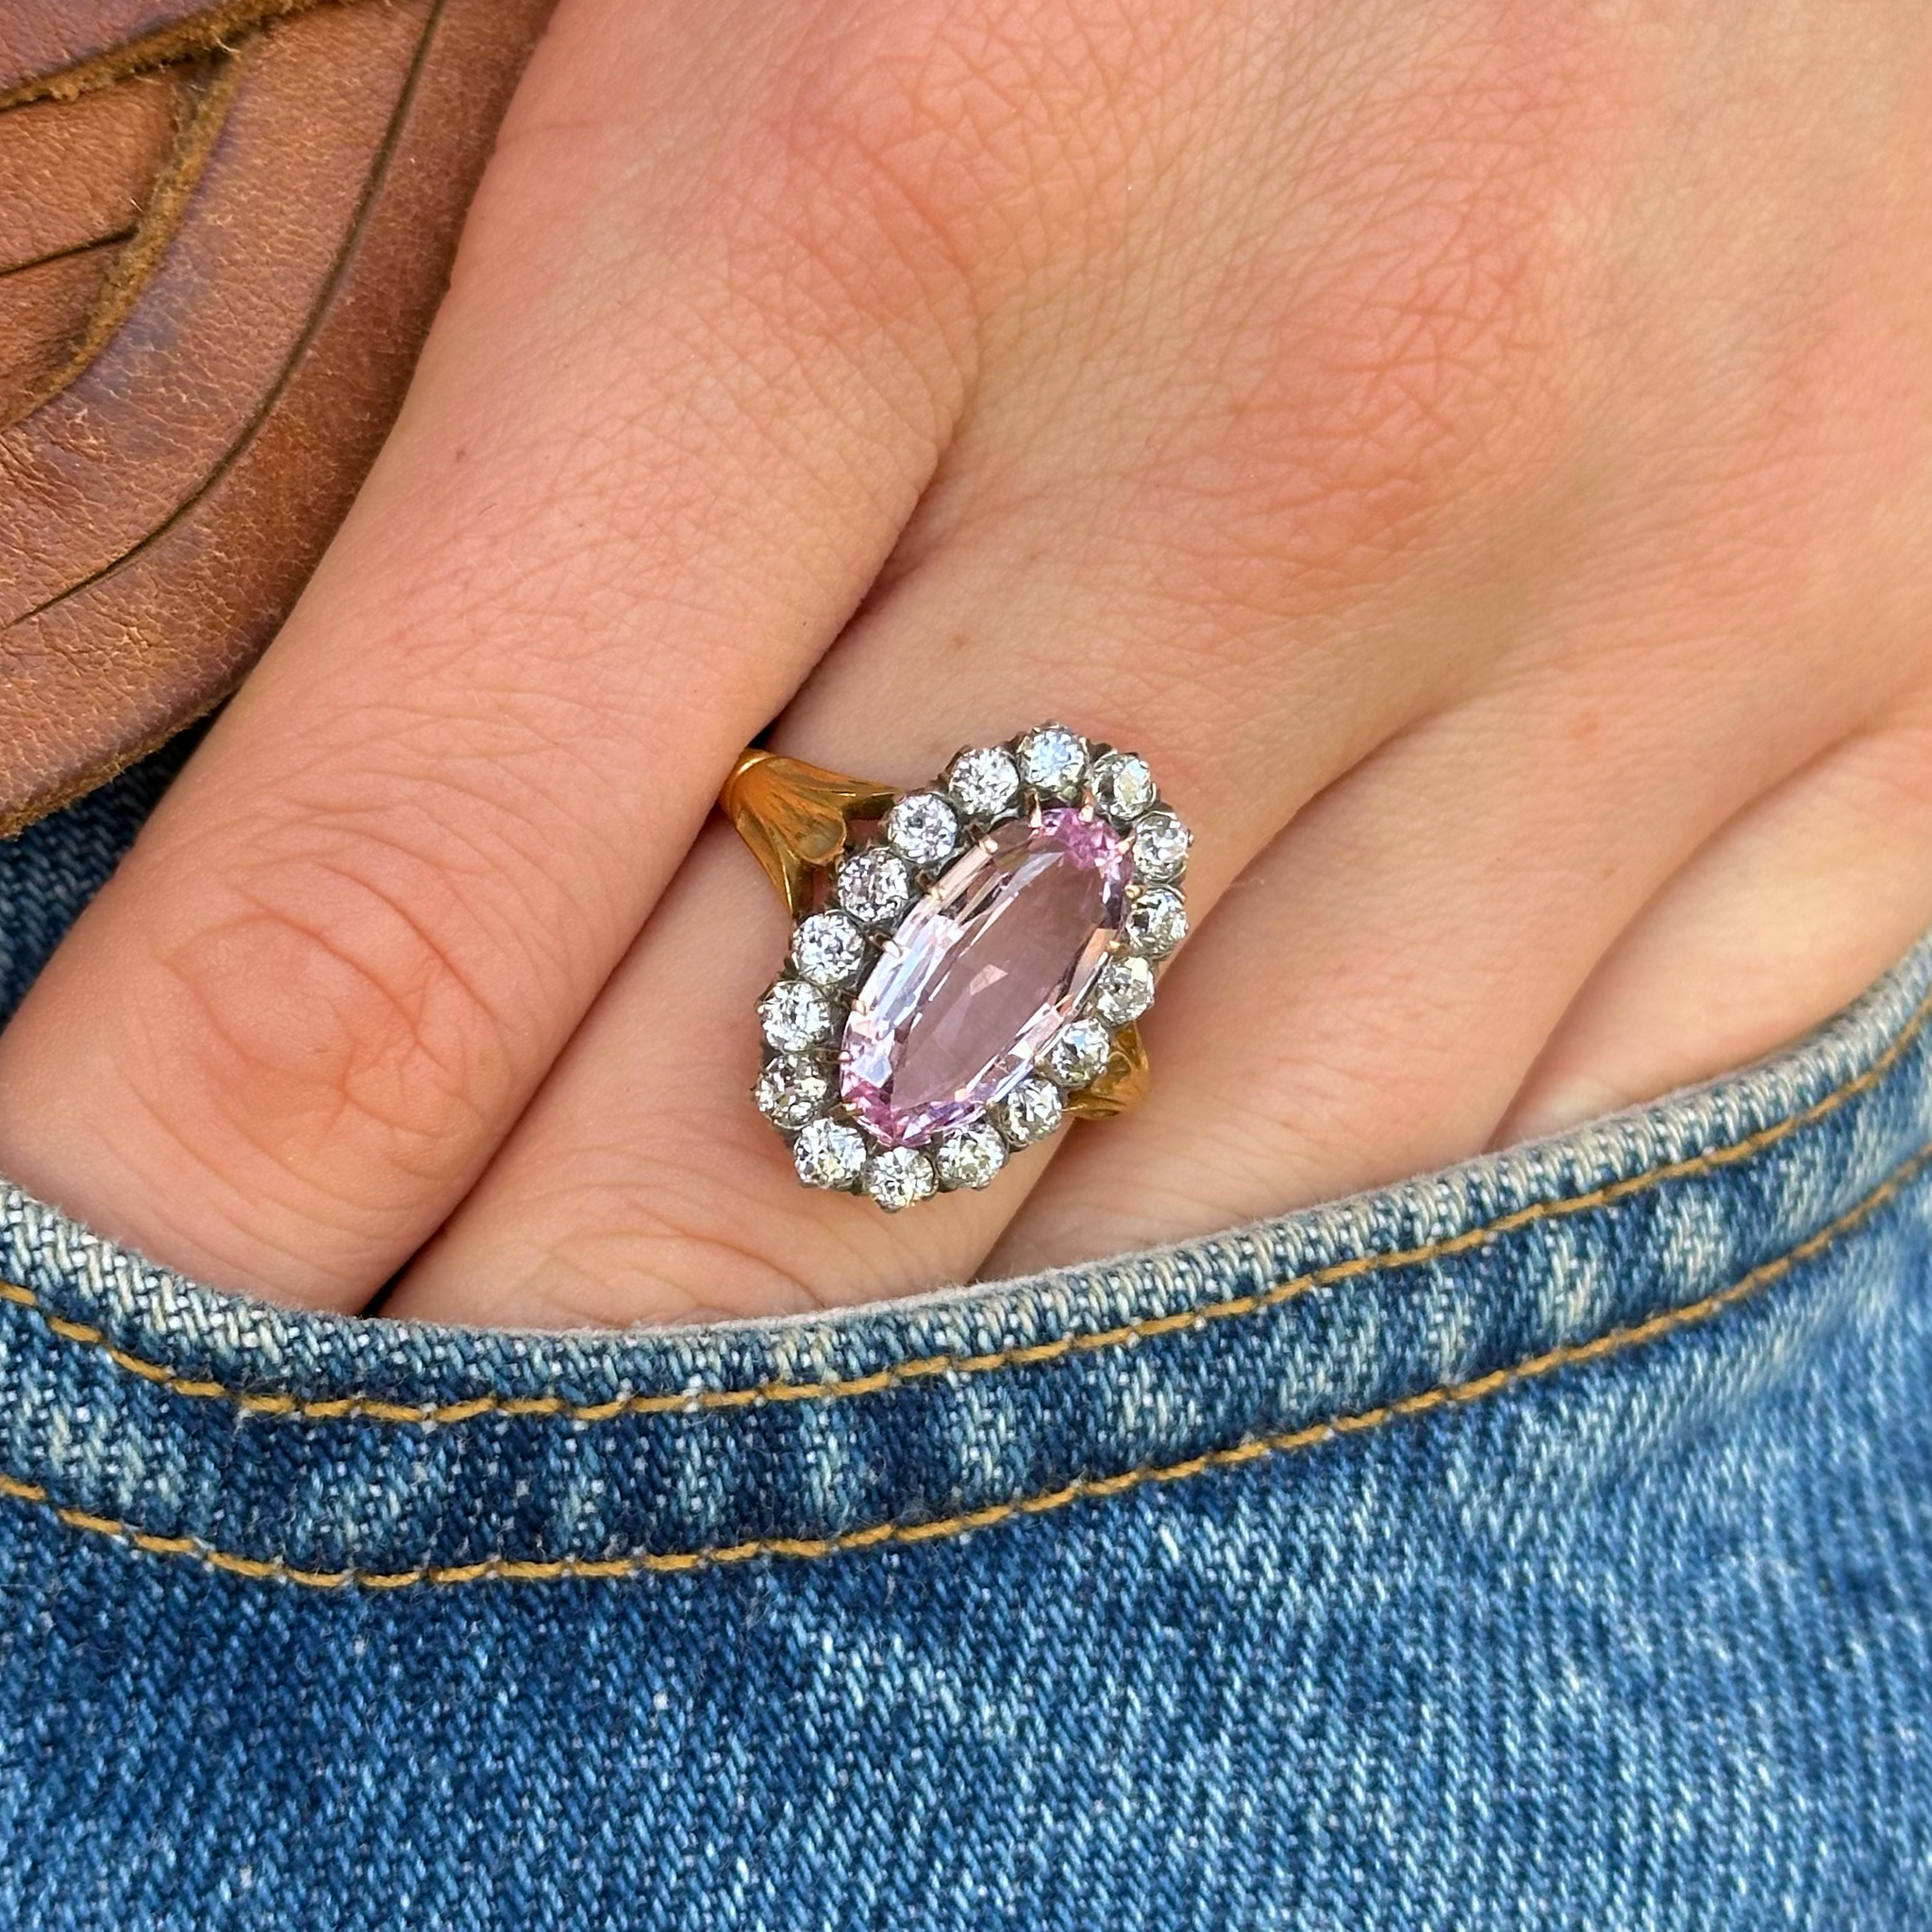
1480, 453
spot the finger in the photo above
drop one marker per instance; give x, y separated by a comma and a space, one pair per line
1368, 999
641, 1184
1136, 532
1501, 986
678, 405
1786, 915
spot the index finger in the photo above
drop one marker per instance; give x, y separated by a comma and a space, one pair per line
685, 390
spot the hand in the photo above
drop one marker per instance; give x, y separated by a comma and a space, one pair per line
1481, 455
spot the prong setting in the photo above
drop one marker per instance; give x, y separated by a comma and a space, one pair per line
1124, 990
1078, 1054
986, 781
828, 949
870, 894
1030, 1113
875, 886
924, 827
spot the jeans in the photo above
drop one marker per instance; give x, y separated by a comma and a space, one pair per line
1543, 1544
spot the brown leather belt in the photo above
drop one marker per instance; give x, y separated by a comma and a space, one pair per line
223, 234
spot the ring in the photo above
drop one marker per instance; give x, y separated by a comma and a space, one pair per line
968, 961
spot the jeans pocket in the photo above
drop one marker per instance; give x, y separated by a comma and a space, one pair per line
1544, 1542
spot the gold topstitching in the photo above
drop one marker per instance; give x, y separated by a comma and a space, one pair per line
838, 1389
663, 1563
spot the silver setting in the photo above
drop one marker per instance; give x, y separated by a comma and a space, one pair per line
898, 1178
829, 1154
1124, 788
792, 1090
876, 885
1030, 1112
1123, 989
1052, 760
828, 949
969, 1157
1077, 1054
925, 827
868, 894
1160, 846
795, 1014
1156, 922
985, 781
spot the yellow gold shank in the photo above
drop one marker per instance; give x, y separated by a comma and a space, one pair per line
795, 817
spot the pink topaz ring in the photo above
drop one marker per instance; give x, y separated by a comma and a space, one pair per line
968, 960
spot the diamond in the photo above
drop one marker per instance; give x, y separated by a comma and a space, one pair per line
1078, 1054
790, 1090
986, 782
875, 886
1123, 785
829, 1154
1157, 923
1054, 760
1124, 990
969, 1157
828, 949
898, 1177
1030, 1112
924, 827
1160, 846
795, 1014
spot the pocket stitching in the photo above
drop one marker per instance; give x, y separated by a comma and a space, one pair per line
836, 1389
664, 1562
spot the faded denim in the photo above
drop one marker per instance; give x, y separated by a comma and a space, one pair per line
1544, 1544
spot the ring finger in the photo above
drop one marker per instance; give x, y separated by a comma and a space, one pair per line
641, 1184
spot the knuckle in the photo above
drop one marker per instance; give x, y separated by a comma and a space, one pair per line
955, 145
330, 1021
1382, 343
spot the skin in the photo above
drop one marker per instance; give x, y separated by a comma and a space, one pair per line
1480, 453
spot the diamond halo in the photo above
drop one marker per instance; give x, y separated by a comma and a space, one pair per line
923, 859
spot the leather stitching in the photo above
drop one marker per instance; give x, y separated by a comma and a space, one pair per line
377, 173
662, 1562
924, 1367
215, 31
167, 202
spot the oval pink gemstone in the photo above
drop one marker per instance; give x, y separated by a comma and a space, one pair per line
982, 974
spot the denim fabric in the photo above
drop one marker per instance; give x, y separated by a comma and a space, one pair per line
1544, 1544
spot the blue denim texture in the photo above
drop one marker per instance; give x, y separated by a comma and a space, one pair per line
1543, 1544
